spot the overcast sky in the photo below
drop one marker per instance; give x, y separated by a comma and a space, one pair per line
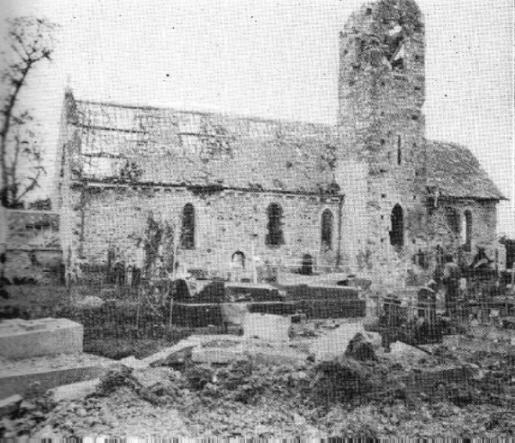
275, 59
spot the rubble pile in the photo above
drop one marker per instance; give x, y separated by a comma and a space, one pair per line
461, 387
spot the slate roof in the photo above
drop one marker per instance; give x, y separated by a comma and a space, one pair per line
204, 149
456, 172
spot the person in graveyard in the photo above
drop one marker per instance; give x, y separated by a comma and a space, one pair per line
451, 281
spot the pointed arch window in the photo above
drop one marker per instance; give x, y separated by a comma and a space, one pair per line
397, 230
453, 220
275, 235
188, 227
238, 259
327, 229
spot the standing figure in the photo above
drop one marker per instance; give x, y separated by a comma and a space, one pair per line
451, 280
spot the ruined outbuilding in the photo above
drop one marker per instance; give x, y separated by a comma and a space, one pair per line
369, 195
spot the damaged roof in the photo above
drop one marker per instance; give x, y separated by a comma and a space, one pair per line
174, 147
201, 149
456, 172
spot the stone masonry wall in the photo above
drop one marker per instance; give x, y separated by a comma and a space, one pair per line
120, 163
381, 94
225, 222
484, 221
30, 240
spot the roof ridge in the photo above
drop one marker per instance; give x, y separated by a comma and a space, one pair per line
206, 112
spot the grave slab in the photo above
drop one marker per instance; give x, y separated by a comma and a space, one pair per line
266, 327
32, 338
34, 376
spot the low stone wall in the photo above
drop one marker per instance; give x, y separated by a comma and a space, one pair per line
205, 314
34, 265
31, 247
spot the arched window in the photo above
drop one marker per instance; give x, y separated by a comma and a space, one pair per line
274, 236
468, 230
397, 232
188, 227
453, 219
327, 229
238, 259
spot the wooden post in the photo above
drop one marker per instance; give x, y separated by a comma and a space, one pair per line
173, 276
170, 315
253, 252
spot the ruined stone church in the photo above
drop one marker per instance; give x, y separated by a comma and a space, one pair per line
371, 194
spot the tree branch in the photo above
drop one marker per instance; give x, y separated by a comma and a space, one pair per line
34, 183
31, 41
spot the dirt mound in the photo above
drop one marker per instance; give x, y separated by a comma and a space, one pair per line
117, 377
156, 385
342, 379
360, 349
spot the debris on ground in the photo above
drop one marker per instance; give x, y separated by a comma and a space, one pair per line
360, 349
335, 341
464, 385
74, 391
10, 404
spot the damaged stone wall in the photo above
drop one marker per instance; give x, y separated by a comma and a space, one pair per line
225, 222
116, 163
32, 247
451, 236
381, 124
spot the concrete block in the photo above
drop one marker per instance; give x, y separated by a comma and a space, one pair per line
149, 377
218, 355
402, 350
133, 363
32, 338
188, 343
335, 342
10, 404
274, 357
234, 313
74, 391
34, 376
267, 327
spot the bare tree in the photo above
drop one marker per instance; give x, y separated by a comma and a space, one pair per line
30, 41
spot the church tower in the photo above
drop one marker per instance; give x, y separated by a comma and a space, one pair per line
380, 120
